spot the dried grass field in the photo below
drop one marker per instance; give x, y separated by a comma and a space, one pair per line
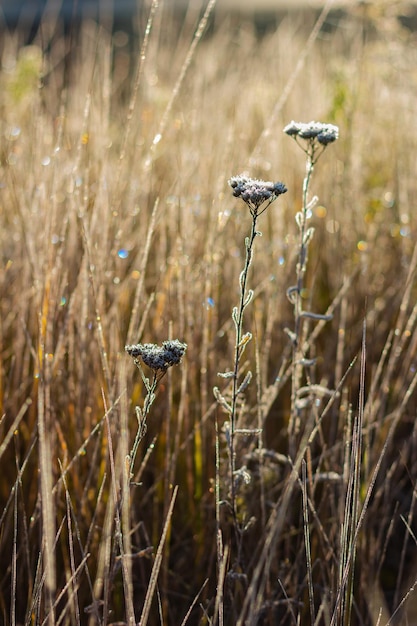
282, 491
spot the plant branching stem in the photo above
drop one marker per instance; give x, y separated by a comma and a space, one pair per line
298, 317
239, 348
143, 413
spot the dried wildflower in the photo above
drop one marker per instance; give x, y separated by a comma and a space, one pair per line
328, 134
174, 351
158, 358
324, 133
255, 192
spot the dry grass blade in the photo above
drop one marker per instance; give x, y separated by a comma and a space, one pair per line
134, 316
351, 517
307, 541
14, 561
219, 603
136, 83
117, 226
292, 81
65, 589
47, 504
14, 426
157, 563
177, 87
392, 619
194, 602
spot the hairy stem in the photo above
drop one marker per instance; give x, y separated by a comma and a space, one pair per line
239, 349
298, 318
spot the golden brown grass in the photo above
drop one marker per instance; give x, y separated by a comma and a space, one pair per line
117, 226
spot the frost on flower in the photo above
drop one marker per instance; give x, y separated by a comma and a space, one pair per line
324, 133
255, 192
158, 358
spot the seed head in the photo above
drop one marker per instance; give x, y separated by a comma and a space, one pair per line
255, 192
158, 358
324, 133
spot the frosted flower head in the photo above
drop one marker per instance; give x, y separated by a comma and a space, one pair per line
158, 358
323, 133
255, 192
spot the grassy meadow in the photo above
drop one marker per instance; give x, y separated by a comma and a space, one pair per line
297, 506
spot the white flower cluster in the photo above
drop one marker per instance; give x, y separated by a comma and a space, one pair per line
324, 133
255, 192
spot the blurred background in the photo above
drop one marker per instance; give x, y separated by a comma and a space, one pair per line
26, 14
117, 225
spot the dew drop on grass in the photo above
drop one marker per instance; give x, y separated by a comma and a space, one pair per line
14, 132
63, 301
46, 161
123, 253
209, 303
281, 261
389, 199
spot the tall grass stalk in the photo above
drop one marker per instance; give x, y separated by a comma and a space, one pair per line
307, 542
352, 504
157, 563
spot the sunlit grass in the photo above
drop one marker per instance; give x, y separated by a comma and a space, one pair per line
118, 227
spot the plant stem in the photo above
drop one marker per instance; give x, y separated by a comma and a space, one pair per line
142, 415
300, 270
239, 348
